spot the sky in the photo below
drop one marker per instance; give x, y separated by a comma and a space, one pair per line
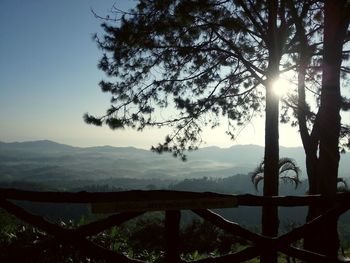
49, 79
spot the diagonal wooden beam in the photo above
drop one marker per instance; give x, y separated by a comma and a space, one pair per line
34, 220
241, 256
100, 225
67, 236
299, 232
91, 249
305, 255
232, 227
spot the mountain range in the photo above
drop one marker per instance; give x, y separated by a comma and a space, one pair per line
48, 161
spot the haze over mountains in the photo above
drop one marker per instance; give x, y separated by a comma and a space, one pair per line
42, 161
47, 165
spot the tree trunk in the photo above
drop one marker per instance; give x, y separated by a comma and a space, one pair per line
330, 117
336, 22
270, 221
310, 140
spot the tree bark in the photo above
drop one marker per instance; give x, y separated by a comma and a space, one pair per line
270, 221
336, 22
334, 34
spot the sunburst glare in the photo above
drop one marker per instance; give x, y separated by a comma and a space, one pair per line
282, 86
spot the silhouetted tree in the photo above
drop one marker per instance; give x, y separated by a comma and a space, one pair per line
203, 59
321, 37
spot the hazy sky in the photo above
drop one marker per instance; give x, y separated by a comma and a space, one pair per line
49, 79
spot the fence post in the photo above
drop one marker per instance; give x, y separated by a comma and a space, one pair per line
172, 227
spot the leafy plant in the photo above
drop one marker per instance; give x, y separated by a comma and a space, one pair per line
288, 172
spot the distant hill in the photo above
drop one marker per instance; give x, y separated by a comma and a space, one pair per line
47, 161
45, 146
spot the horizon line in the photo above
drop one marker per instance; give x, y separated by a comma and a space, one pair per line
131, 146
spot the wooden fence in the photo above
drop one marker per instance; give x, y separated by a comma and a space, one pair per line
131, 204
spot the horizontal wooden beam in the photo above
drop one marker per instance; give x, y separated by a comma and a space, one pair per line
140, 196
89, 197
165, 204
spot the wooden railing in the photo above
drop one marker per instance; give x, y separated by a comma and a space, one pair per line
131, 204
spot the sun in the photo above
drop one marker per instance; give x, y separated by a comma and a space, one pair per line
282, 86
